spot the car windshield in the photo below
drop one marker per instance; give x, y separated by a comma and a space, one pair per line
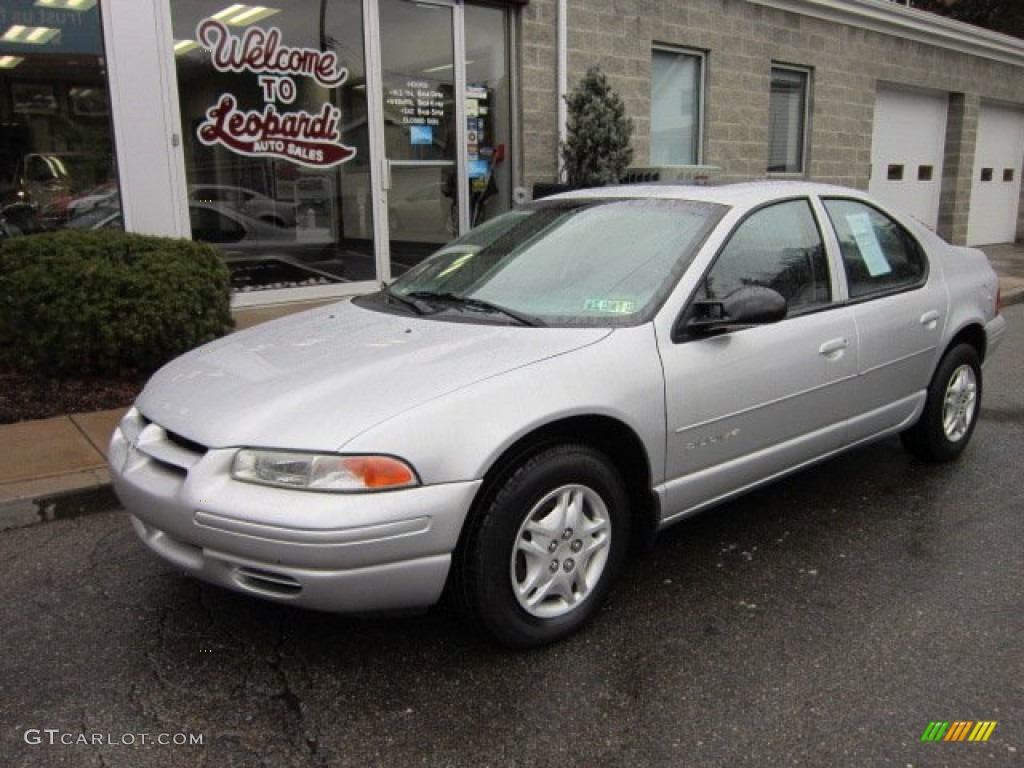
574, 262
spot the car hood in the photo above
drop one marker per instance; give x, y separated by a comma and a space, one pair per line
315, 380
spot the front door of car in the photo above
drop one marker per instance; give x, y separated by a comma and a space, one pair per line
900, 312
745, 404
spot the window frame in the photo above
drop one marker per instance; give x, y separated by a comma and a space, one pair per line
826, 234
840, 263
805, 119
701, 58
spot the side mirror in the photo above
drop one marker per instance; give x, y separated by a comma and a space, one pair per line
744, 307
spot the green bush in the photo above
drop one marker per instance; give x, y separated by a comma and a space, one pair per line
597, 148
107, 302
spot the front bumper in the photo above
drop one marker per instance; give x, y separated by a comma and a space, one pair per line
328, 551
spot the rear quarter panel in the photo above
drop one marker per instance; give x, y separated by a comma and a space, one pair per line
972, 285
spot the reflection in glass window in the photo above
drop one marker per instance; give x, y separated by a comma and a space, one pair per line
879, 255
277, 150
675, 107
778, 247
787, 110
56, 142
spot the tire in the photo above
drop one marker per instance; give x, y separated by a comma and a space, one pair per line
951, 409
541, 555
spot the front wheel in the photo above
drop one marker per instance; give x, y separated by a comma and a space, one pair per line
541, 556
951, 409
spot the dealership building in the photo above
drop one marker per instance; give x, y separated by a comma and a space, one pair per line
326, 145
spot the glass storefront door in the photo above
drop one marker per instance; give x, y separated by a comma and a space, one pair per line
418, 82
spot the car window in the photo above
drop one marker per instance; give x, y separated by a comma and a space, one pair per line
593, 262
777, 247
39, 170
879, 255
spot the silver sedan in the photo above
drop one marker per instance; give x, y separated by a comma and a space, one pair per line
503, 421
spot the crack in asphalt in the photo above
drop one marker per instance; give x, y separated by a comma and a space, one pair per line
293, 703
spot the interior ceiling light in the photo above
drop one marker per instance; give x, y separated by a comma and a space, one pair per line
182, 47
239, 15
10, 62
67, 5
29, 35
443, 67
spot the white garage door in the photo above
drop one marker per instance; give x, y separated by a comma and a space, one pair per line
995, 189
906, 151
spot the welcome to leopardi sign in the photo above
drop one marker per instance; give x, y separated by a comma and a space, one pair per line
312, 139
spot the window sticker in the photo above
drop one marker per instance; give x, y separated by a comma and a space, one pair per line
421, 134
610, 306
867, 242
476, 168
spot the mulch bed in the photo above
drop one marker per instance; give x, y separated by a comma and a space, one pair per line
24, 397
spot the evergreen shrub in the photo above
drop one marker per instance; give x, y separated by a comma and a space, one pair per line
597, 150
107, 302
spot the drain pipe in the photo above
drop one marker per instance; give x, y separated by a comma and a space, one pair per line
563, 80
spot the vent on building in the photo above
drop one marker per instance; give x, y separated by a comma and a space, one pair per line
697, 174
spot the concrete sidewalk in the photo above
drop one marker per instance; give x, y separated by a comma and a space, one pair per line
56, 468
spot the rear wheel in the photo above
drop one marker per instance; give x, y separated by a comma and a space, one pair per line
951, 409
541, 556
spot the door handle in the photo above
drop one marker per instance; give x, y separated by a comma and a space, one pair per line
833, 348
930, 318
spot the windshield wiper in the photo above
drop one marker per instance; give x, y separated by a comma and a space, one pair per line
480, 305
419, 307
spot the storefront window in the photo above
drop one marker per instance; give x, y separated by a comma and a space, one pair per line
287, 166
56, 146
274, 111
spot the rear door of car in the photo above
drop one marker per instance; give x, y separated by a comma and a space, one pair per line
745, 405
900, 307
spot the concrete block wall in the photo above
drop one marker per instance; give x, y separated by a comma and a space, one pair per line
741, 41
958, 166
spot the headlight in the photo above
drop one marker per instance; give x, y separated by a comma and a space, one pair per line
321, 472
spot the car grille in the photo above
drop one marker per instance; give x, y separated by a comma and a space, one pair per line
167, 449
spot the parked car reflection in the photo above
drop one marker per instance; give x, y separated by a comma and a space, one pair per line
248, 201
260, 255
50, 181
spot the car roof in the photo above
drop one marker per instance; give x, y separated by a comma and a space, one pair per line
737, 193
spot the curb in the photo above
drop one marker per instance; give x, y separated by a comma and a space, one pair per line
21, 513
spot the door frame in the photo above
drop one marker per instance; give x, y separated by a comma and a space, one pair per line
380, 164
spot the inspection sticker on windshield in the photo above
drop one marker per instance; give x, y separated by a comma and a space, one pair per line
610, 306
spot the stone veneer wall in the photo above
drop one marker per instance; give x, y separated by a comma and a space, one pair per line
742, 40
